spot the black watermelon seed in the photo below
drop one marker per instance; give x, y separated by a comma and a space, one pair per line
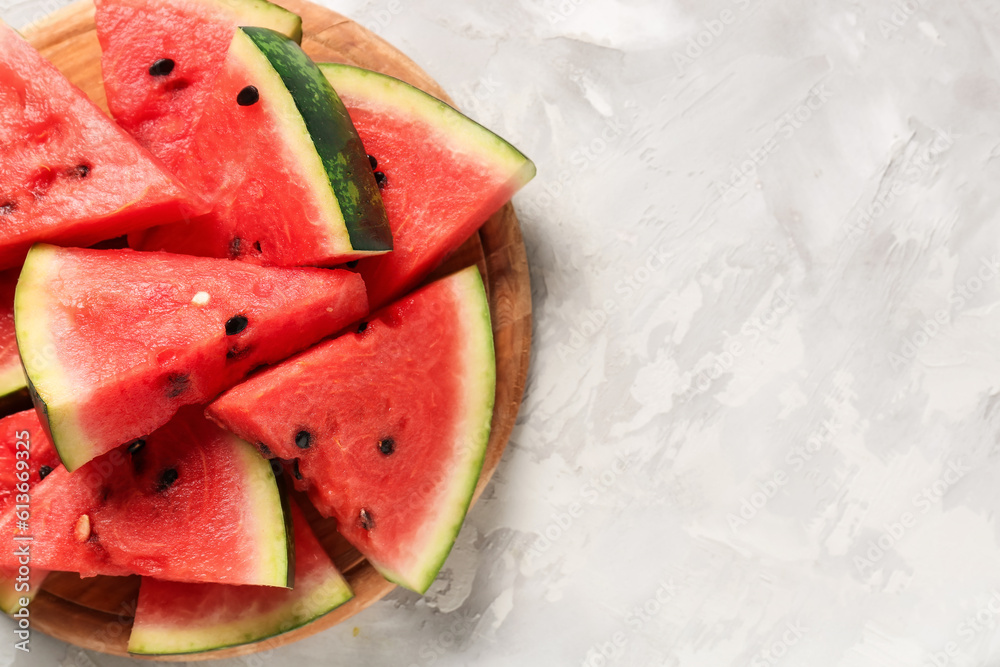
167, 478
248, 96
380, 179
234, 247
303, 439
353, 264
265, 451
177, 384
236, 324
387, 446
161, 67
362, 327
256, 245
105, 494
8, 207
80, 171
43, 472
365, 519
235, 353
137, 450
373, 162
295, 470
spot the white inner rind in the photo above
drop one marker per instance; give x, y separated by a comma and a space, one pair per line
37, 347
362, 88
472, 434
264, 14
12, 379
211, 633
300, 156
264, 515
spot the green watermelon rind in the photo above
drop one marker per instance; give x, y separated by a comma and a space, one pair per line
265, 14
286, 509
396, 96
10, 597
45, 377
324, 596
269, 515
480, 365
207, 637
315, 123
13, 384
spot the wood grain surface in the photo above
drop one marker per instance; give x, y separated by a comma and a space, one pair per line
96, 613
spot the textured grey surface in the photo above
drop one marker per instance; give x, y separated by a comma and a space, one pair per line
761, 421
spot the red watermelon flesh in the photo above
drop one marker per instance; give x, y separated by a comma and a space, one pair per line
388, 425
162, 108
70, 175
190, 502
173, 618
12, 381
285, 170
444, 174
115, 341
22, 439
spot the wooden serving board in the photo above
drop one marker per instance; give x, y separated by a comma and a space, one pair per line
96, 613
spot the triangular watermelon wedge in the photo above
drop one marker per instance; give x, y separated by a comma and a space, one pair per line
281, 163
70, 175
17, 484
115, 341
160, 60
190, 502
442, 174
388, 425
173, 618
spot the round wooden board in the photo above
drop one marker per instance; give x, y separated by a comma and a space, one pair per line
97, 613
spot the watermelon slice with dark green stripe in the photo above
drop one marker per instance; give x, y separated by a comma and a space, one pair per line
115, 341
388, 425
278, 158
173, 618
69, 175
442, 174
26, 458
189, 502
160, 60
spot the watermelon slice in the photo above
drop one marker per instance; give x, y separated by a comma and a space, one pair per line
442, 174
22, 445
13, 385
278, 156
190, 502
115, 341
172, 618
160, 61
388, 425
70, 175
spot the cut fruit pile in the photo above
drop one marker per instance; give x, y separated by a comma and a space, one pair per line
279, 213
